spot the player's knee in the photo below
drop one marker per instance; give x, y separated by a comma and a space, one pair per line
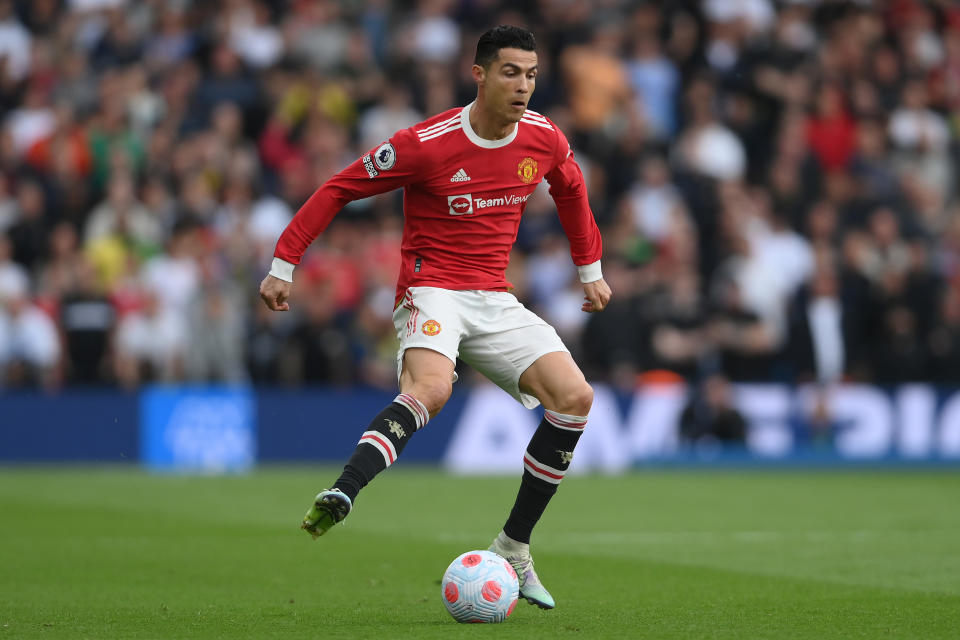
433, 394
574, 399
581, 399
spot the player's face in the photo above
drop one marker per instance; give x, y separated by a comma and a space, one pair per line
509, 82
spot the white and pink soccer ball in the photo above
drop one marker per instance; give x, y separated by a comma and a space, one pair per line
480, 586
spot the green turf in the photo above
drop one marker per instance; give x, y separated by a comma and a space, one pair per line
124, 554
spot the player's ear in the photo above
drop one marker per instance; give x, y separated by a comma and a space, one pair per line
479, 73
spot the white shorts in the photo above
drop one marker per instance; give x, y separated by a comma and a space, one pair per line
489, 330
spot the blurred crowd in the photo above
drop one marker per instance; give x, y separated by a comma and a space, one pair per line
774, 180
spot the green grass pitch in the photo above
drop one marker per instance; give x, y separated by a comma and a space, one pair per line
119, 553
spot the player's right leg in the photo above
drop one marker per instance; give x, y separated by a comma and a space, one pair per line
329, 507
426, 381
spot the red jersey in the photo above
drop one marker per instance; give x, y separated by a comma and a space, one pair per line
463, 197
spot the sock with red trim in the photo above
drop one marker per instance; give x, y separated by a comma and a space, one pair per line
544, 464
382, 442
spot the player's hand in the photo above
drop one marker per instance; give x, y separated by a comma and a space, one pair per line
597, 296
275, 292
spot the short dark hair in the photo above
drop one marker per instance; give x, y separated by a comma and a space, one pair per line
502, 37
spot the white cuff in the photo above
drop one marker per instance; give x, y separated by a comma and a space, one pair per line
282, 269
590, 272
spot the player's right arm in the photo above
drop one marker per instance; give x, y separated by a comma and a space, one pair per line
391, 165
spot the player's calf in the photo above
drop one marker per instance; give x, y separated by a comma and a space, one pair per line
378, 448
382, 442
545, 464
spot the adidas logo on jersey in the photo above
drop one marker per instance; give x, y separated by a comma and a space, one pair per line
460, 176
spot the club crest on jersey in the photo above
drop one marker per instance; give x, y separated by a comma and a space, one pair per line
431, 327
460, 205
527, 169
385, 156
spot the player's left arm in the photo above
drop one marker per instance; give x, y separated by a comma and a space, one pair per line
569, 192
596, 295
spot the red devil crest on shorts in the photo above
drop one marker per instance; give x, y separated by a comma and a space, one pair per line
431, 327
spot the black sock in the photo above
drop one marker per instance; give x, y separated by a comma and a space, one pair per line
379, 447
544, 464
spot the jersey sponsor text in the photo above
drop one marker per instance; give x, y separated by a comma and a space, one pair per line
507, 200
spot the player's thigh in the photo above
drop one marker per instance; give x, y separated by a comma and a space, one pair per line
556, 380
428, 318
504, 356
429, 328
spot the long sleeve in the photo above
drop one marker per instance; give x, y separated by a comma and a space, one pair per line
569, 192
390, 166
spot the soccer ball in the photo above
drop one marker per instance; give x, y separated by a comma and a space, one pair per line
480, 586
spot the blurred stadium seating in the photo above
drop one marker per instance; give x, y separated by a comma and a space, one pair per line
775, 183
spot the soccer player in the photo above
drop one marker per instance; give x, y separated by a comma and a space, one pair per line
467, 174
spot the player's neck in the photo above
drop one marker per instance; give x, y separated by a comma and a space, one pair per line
487, 125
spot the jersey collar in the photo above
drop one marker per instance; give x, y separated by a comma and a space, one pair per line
483, 142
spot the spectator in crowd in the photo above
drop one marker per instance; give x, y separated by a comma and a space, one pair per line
252, 34
653, 76
30, 352
394, 112
831, 129
678, 332
824, 330
15, 42
151, 343
13, 277
87, 320
120, 217
706, 146
215, 341
709, 419
318, 349
944, 339
28, 233
597, 81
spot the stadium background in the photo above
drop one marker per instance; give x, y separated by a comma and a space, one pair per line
775, 183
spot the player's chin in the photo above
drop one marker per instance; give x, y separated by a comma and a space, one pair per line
515, 111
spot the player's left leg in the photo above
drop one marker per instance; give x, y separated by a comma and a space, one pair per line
525, 357
558, 383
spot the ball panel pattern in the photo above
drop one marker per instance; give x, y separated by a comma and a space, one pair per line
471, 560
451, 592
480, 586
491, 591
